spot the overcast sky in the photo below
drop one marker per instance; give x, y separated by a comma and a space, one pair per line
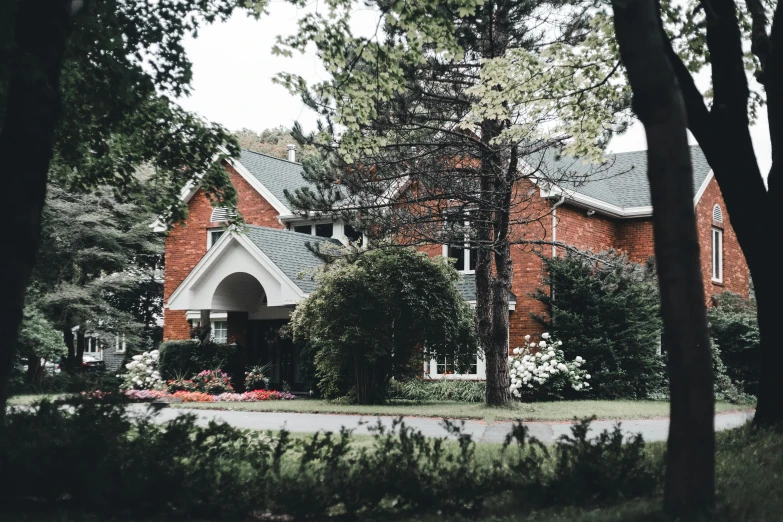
233, 67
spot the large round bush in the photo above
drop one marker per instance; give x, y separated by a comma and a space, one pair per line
374, 317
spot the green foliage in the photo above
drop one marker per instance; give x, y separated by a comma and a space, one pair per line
64, 382
600, 469
91, 458
256, 378
606, 310
431, 390
734, 329
180, 359
273, 142
373, 318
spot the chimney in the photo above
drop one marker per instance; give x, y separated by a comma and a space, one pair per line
292, 152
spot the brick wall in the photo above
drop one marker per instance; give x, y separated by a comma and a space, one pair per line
186, 243
735, 269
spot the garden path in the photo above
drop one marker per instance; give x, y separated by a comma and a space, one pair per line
547, 432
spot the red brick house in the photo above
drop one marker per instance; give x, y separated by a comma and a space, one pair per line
245, 284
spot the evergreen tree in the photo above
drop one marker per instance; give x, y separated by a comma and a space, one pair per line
607, 310
434, 132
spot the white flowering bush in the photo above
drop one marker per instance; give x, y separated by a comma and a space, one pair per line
539, 371
143, 373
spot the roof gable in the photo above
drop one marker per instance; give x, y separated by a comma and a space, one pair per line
622, 180
275, 174
288, 250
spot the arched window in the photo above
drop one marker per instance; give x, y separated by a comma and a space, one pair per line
717, 214
222, 214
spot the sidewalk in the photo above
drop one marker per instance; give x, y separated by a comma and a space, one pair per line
547, 432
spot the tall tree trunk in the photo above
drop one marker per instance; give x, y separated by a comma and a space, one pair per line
26, 144
689, 492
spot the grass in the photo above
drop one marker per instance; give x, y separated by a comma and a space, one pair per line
26, 400
540, 411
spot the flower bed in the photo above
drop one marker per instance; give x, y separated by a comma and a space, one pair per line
186, 396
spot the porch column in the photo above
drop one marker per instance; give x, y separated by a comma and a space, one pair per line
205, 322
236, 333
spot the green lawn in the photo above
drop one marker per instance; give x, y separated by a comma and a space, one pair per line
26, 400
541, 411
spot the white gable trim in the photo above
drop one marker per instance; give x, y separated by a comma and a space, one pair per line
191, 188
704, 184
259, 187
213, 254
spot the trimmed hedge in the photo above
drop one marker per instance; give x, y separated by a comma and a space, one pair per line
187, 358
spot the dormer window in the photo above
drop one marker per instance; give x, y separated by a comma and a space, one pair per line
316, 229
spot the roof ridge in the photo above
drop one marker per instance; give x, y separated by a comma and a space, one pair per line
270, 156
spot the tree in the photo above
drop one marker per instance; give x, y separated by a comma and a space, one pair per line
607, 309
39, 342
374, 318
717, 35
86, 96
99, 269
273, 142
433, 132
689, 490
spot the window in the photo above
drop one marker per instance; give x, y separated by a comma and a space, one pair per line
717, 255
353, 235
119, 343
213, 235
319, 229
220, 331
465, 257
324, 230
445, 366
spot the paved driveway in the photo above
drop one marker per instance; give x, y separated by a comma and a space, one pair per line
548, 432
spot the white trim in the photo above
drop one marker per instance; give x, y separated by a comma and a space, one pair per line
608, 209
716, 255
704, 184
202, 268
512, 305
260, 188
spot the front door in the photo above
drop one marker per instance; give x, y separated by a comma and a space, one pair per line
266, 345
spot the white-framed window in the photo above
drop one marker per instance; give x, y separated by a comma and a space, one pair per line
717, 255
464, 256
119, 343
443, 368
220, 331
213, 234
315, 229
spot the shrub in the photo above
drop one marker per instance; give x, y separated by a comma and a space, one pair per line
213, 382
256, 378
142, 373
370, 320
181, 384
430, 390
606, 309
92, 458
734, 329
540, 371
179, 358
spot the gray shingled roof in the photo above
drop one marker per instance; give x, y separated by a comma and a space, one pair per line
288, 250
621, 181
467, 287
274, 173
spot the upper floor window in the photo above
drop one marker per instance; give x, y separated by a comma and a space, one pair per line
465, 256
213, 235
717, 255
717, 214
316, 229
